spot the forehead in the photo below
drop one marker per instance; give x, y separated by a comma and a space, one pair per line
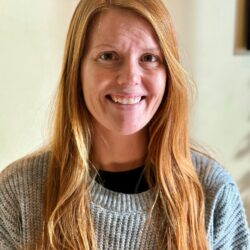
116, 23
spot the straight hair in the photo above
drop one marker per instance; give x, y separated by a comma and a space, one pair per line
179, 205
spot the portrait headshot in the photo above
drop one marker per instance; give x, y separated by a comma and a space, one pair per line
121, 168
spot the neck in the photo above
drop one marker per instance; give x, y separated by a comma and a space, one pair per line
115, 152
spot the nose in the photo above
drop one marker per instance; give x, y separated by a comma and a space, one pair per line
129, 73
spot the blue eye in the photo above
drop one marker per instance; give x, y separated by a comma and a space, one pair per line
149, 58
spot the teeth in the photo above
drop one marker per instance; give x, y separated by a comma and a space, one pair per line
125, 100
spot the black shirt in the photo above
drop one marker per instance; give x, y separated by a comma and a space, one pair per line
129, 182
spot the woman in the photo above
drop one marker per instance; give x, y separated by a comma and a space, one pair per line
120, 172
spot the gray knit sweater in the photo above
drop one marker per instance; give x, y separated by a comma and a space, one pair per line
119, 218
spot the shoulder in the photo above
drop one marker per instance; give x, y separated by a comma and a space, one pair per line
30, 163
34, 163
214, 180
21, 194
30, 167
211, 173
225, 215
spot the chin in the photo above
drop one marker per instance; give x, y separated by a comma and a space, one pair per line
120, 128
128, 130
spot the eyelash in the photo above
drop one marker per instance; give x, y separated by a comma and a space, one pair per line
156, 59
112, 56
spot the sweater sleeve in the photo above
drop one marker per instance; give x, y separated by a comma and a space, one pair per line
231, 231
10, 219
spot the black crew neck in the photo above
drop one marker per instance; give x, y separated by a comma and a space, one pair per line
129, 182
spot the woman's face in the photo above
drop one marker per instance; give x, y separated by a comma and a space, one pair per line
123, 72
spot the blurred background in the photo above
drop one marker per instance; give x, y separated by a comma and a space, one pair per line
211, 38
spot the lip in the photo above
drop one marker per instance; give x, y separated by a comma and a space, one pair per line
126, 100
113, 97
125, 107
127, 95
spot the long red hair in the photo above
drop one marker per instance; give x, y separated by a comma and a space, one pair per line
179, 200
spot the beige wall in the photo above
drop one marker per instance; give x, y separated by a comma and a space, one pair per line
221, 121
32, 35
206, 30
31, 43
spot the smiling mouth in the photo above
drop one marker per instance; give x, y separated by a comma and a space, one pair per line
125, 100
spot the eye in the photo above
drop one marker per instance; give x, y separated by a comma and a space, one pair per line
108, 56
149, 58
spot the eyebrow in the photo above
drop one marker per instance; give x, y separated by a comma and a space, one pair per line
113, 47
103, 45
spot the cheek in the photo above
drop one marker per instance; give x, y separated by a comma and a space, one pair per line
96, 79
90, 84
158, 85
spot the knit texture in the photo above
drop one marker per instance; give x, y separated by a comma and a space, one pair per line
119, 219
